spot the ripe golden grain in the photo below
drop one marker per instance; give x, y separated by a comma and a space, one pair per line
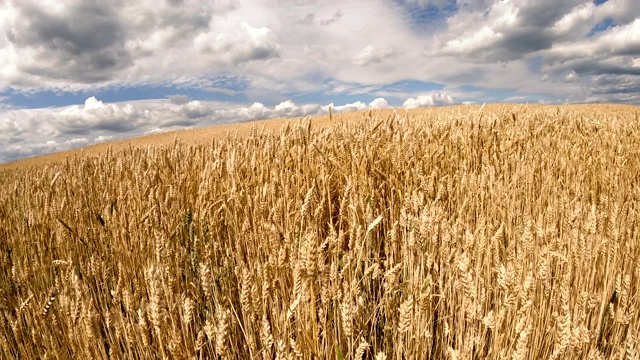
507, 231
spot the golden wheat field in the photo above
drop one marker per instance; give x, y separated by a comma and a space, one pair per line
503, 232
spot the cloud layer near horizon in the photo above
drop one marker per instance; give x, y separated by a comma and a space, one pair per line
213, 60
36, 131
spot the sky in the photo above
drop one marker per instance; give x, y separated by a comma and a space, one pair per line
79, 72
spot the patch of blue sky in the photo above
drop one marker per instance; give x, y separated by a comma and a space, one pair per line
602, 26
220, 83
161, 92
535, 64
529, 98
323, 98
351, 92
471, 88
598, 2
224, 89
430, 16
483, 94
41, 99
412, 86
404, 89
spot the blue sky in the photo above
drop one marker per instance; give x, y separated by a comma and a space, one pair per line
77, 72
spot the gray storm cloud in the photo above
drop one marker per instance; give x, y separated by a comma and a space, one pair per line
85, 42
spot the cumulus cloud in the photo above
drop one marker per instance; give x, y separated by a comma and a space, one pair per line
284, 48
182, 19
607, 57
290, 109
30, 132
578, 21
618, 43
15, 152
246, 44
78, 44
103, 138
280, 49
435, 99
82, 42
178, 99
372, 55
379, 103
571, 76
537, 43
355, 106
511, 30
11, 130
614, 88
507, 31
95, 116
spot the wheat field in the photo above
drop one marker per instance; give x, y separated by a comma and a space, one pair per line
504, 232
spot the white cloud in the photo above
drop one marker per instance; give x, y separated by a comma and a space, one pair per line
620, 40
470, 43
379, 103
571, 76
94, 116
609, 88
283, 48
290, 109
355, 106
621, 11
605, 64
103, 138
507, 31
278, 48
30, 132
77, 142
577, 22
74, 44
371, 55
244, 44
285, 106
164, 42
179, 99
93, 103
435, 99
